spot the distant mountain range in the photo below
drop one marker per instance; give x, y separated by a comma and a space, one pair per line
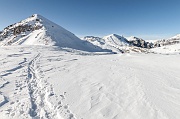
119, 43
37, 30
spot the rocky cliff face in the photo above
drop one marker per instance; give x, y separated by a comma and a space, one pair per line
171, 41
19, 30
138, 42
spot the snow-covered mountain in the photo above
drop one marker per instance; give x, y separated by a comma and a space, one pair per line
112, 42
119, 43
37, 30
167, 46
139, 42
170, 41
116, 40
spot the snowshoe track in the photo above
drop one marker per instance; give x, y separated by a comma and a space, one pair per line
42, 96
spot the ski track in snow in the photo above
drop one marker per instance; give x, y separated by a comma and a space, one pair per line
32, 96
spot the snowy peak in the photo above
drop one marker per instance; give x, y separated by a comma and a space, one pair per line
116, 40
118, 43
132, 38
139, 42
37, 30
30, 31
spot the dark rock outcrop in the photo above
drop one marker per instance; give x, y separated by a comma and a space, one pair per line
140, 43
164, 42
18, 28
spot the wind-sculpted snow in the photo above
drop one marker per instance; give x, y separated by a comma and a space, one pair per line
61, 83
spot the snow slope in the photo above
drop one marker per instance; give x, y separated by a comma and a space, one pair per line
115, 39
60, 83
116, 43
168, 49
37, 30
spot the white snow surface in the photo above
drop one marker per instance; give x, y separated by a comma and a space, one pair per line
131, 38
168, 49
50, 82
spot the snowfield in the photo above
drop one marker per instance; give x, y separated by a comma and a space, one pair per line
49, 82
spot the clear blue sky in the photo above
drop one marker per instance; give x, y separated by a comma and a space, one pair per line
148, 19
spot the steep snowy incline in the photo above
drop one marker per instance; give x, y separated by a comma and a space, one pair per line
55, 83
37, 30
